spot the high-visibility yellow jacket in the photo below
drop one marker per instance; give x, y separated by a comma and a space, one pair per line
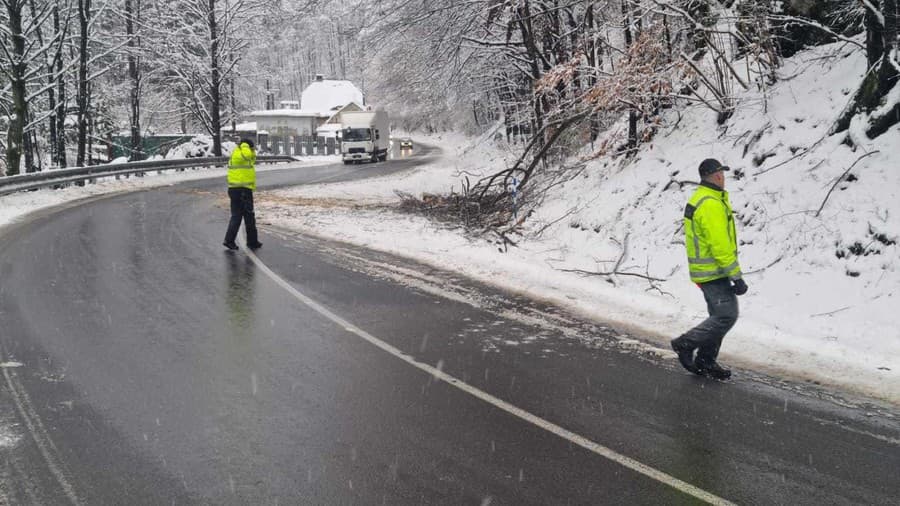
242, 167
710, 235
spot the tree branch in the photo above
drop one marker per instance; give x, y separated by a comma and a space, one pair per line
839, 179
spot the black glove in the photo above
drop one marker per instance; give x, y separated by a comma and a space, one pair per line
739, 287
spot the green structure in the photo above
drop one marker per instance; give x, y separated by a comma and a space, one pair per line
151, 145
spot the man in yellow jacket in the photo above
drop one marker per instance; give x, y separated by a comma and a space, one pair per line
711, 244
241, 184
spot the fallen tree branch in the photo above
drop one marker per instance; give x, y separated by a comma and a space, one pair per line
612, 273
773, 262
622, 256
562, 125
798, 155
839, 179
654, 286
829, 313
540, 231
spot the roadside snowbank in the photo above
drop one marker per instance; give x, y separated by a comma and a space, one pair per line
824, 287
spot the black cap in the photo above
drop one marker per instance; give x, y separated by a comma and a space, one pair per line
711, 166
248, 141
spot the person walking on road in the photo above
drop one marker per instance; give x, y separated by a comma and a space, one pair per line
711, 243
241, 184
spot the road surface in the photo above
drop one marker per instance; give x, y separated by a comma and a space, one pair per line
144, 364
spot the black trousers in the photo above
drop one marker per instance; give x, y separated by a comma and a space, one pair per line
241, 209
722, 304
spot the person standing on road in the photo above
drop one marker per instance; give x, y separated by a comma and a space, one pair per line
241, 184
711, 243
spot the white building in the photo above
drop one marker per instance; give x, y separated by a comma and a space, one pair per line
287, 120
319, 104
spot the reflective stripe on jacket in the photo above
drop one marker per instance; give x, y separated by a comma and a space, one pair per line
241, 168
710, 235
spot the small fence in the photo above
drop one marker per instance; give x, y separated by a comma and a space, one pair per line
300, 145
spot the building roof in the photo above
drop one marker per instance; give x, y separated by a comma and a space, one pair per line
336, 114
326, 95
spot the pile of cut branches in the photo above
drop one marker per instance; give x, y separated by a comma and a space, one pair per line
464, 209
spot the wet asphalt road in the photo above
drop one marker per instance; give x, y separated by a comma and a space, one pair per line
160, 369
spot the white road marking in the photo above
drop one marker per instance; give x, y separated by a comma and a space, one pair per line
39, 433
566, 434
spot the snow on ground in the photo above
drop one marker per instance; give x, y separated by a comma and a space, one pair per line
823, 288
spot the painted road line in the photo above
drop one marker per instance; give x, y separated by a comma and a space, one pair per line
39, 433
566, 434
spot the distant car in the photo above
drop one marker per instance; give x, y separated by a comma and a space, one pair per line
406, 143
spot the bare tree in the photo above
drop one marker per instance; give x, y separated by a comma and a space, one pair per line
200, 51
132, 20
20, 53
81, 97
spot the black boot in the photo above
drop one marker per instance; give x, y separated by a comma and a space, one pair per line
230, 245
712, 369
685, 355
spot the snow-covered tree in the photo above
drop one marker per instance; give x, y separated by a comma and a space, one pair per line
22, 52
200, 47
871, 99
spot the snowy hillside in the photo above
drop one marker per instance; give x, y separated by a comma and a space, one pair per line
824, 286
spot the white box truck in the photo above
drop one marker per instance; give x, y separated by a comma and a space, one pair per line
365, 136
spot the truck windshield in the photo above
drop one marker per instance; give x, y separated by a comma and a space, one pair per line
357, 134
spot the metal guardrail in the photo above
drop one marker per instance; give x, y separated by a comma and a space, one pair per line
35, 180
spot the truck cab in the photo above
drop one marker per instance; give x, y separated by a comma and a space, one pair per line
365, 136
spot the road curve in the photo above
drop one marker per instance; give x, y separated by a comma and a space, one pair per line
157, 368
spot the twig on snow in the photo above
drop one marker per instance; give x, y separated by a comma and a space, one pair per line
654, 286
829, 313
838, 180
773, 262
798, 155
611, 273
570, 212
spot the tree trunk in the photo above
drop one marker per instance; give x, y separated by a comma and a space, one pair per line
90, 121
887, 75
526, 28
51, 105
215, 84
629, 40
28, 144
132, 13
84, 14
881, 42
233, 109
51, 99
15, 134
60, 115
